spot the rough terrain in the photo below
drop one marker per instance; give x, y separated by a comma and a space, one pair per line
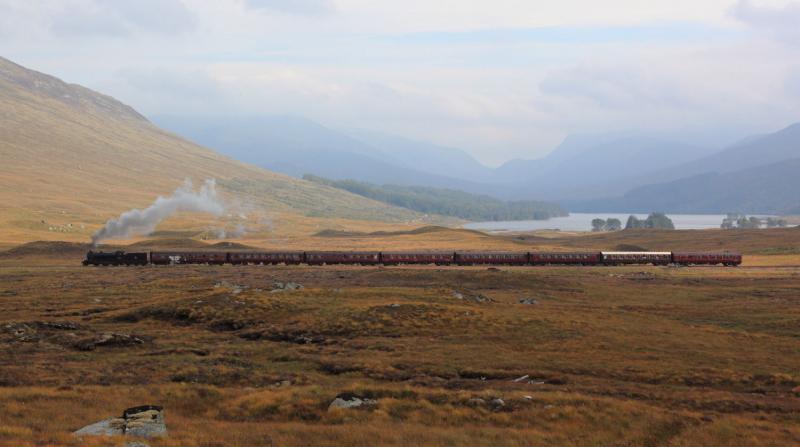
409, 355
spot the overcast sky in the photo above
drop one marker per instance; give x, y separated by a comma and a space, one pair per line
500, 79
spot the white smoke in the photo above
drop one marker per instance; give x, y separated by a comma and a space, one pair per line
236, 232
138, 222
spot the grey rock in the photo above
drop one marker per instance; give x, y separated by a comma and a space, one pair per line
521, 379
497, 403
108, 339
349, 401
278, 286
146, 421
106, 427
137, 444
529, 301
475, 298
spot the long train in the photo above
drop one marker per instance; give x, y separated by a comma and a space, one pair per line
532, 258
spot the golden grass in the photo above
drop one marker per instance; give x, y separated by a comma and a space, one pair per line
617, 356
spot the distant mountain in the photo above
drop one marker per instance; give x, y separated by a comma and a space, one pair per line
298, 146
756, 175
770, 189
71, 158
748, 153
584, 167
426, 157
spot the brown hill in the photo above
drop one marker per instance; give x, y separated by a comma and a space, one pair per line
72, 158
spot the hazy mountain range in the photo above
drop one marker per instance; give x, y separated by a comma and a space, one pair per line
297, 146
603, 173
88, 157
758, 175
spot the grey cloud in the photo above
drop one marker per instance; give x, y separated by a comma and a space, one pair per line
298, 7
122, 18
782, 23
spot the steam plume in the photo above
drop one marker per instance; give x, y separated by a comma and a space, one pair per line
137, 222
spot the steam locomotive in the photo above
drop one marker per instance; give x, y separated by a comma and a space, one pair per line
414, 258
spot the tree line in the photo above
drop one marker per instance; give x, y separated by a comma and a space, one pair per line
447, 202
653, 221
735, 221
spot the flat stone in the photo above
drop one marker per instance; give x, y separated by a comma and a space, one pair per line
106, 427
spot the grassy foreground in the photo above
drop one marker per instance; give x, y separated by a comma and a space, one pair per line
614, 356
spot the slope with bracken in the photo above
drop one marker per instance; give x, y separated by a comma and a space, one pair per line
72, 158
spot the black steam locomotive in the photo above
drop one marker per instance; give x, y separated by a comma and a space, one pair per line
115, 258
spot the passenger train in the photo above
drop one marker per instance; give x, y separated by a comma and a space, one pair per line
462, 258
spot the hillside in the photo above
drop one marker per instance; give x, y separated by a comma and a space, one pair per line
447, 202
72, 158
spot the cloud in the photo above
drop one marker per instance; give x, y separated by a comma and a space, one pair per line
614, 87
779, 22
121, 18
297, 7
501, 79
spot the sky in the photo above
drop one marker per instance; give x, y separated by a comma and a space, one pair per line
500, 79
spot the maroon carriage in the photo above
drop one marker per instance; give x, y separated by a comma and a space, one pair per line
637, 257
695, 258
396, 258
188, 257
266, 257
342, 257
578, 258
490, 258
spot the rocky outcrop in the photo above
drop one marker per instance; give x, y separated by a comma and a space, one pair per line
108, 339
146, 421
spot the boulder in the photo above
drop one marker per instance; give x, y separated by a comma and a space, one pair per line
108, 339
497, 403
146, 421
350, 400
529, 301
106, 427
278, 286
475, 298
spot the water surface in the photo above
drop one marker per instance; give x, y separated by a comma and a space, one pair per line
583, 222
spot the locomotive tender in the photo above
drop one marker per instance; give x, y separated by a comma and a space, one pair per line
419, 258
